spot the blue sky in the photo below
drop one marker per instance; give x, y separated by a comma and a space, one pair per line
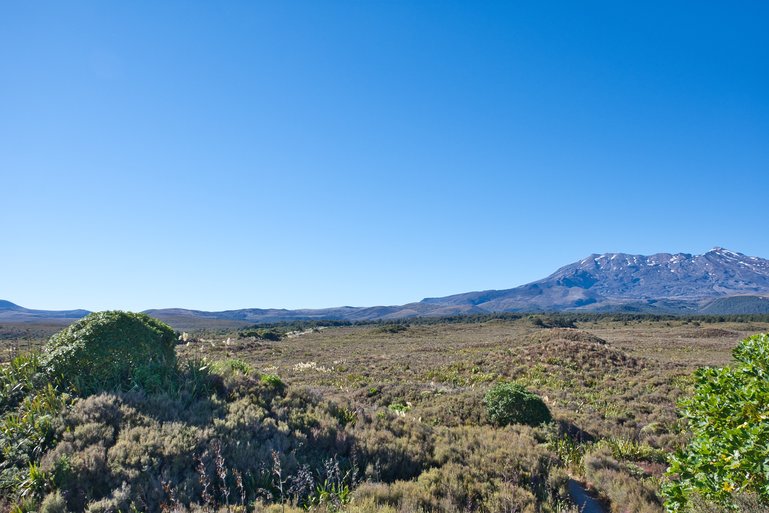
220, 155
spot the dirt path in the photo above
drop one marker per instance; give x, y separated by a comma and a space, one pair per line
584, 502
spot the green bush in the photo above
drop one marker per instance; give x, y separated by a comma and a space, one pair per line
511, 403
729, 420
112, 351
272, 334
19, 378
392, 328
230, 366
272, 380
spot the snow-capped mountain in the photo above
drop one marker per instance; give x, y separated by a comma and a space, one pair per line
662, 282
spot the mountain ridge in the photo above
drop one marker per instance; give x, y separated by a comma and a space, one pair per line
14, 313
606, 281
716, 282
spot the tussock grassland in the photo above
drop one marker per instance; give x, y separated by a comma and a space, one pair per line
371, 418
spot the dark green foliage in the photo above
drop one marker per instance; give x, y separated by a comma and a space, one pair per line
729, 419
275, 331
271, 335
538, 319
29, 407
569, 319
552, 321
392, 328
112, 351
262, 334
511, 403
299, 325
17, 379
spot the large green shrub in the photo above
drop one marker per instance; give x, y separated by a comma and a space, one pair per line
728, 455
112, 351
511, 403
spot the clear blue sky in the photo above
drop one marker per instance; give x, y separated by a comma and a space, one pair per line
220, 155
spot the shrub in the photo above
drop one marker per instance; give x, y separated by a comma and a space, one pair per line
25, 434
615, 481
53, 503
272, 380
392, 328
730, 427
112, 350
273, 334
229, 367
511, 403
18, 379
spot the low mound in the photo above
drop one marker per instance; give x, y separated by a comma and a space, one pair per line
586, 357
572, 334
112, 351
715, 333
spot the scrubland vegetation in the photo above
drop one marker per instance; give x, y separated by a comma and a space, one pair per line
393, 417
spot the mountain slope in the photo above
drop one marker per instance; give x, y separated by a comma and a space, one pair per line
738, 305
11, 312
674, 283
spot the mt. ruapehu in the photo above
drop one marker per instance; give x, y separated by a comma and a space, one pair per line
661, 283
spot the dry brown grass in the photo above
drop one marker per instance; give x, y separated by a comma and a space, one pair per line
613, 381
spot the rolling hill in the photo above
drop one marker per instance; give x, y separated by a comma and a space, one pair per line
11, 312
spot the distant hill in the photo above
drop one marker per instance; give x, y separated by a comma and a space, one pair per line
738, 305
718, 282
11, 312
